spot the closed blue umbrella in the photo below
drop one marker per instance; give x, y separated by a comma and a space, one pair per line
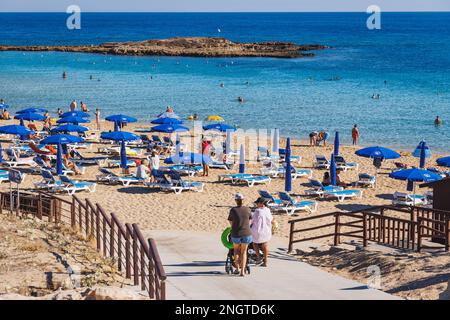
66, 128
167, 121
1, 153
422, 145
168, 128
336, 144
422, 156
242, 159
333, 177
32, 110
121, 136
378, 152
80, 114
72, 119
222, 127
60, 140
288, 174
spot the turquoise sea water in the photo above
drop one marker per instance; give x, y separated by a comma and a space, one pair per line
410, 53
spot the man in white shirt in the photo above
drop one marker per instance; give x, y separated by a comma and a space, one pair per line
262, 230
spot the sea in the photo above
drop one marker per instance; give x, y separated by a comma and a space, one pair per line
406, 63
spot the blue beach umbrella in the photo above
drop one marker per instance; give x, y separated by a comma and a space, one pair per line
4, 106
120, 119
66, 128
1, 153
29, 116
80, 114
333, 171
288, 174
242, 159
222, 127
276, 142
121, 136
422, 145
188, 158
378, 152
16, 130
422, 156
168, 128
445, 161
414, 175
171, 121
32, 110
336, 144
60, 140
72, 119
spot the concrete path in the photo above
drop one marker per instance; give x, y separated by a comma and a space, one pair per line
194, 263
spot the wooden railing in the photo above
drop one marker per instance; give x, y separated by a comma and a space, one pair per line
376, 224
137, 257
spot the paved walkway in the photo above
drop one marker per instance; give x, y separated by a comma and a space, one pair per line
194, 263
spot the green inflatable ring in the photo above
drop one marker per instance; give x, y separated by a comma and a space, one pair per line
225, 240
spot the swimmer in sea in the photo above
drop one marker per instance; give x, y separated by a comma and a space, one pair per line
64, 75
437, 121
241, 100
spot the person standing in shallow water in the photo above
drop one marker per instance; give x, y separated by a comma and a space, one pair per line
437, 121
355, 134
73, 105
97, 118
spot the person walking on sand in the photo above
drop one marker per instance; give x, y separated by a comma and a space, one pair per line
73, 105
241, 234
206, 146
97, 118
355, 134
261, 227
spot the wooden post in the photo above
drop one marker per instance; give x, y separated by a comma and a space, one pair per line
447, 233
291, 237
419, 234
97, 227
104, 236
127, 251
364, 229
39, 207
135, 259
86, 218
143, 266
111, 239
73, 217
337, 229
151, 271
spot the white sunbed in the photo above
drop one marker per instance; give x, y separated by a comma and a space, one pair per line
343, 194
404, 199
366, 180
234, 177
319, 189
251, 181
291, 206
72, 186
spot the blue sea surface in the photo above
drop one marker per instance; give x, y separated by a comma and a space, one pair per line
411, 53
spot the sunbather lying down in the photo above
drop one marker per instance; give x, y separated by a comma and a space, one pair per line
34, 147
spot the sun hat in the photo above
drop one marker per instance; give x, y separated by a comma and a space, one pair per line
239, 196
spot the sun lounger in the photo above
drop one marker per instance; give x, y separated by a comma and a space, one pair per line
272, 202
159, 181
321, 162
77, 157
4, 176
343, 194
15, 160
291, 206
72, 186
251, 181
234, 177
43, 166
111, 163
184, 169
179, 185
318, 189
404, 199
48, 181
443, 174
365, 179
341, 164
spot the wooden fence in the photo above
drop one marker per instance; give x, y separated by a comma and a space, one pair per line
376, 224
133, 255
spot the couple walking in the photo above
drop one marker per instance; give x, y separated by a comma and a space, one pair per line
247, 228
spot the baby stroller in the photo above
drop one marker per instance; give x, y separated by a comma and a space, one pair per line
230, 266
